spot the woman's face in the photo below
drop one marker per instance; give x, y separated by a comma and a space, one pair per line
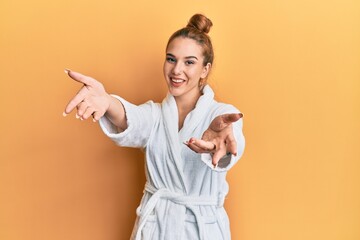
184, 67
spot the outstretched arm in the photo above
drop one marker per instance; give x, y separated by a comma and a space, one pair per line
93, 100
218, 139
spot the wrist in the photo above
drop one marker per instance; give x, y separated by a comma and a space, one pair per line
109, 100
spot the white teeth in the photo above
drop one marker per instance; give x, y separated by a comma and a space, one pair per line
177, 80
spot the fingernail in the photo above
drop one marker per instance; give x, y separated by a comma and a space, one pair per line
192, 141
66, 70
94, 120
186, 142
64, 114
77, 116
81, 119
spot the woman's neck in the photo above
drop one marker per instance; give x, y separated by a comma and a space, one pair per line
185, 105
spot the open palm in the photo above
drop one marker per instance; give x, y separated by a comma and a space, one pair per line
218, 139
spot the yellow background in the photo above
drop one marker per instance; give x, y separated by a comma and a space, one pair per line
292, 67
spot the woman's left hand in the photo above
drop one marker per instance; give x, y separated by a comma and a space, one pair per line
218, 139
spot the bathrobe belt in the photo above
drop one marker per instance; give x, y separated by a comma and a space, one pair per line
187, 201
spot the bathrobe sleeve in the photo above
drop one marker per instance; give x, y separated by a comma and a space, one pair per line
228, 160
140, 120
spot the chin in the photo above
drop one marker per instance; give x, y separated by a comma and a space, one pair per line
175, 92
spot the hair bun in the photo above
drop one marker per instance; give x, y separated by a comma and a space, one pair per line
200, 22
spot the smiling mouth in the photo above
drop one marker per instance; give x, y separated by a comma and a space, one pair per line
177, 80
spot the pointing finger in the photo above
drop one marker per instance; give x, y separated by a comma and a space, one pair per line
88, 81
76, 100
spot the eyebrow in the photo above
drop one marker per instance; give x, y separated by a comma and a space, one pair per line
172, 55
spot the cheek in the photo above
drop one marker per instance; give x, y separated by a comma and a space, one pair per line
165, 69
168, 66
196, 73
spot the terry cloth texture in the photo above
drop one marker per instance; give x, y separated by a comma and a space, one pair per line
184, 195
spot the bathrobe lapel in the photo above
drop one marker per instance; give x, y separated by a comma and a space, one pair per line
198, 115
170, 117
172, 217
175, 138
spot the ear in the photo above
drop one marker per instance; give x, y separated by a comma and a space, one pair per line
206, 70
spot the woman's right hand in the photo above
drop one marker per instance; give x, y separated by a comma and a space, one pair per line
91, 100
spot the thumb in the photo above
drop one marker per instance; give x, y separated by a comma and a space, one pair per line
88, 81
223, 121
231, 117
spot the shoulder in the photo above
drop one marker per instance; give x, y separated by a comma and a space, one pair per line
153, 107
152, 104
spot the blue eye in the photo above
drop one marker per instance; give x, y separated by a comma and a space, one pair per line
170, 59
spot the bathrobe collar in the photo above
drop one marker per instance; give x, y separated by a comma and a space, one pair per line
192, 120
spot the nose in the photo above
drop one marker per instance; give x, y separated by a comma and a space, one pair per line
177, 69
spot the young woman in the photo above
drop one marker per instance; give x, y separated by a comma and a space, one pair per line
190, 141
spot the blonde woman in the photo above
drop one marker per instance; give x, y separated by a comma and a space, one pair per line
190, 140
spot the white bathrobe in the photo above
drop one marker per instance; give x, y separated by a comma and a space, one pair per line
184, 195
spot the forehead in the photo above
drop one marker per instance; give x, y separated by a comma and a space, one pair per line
183, 47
